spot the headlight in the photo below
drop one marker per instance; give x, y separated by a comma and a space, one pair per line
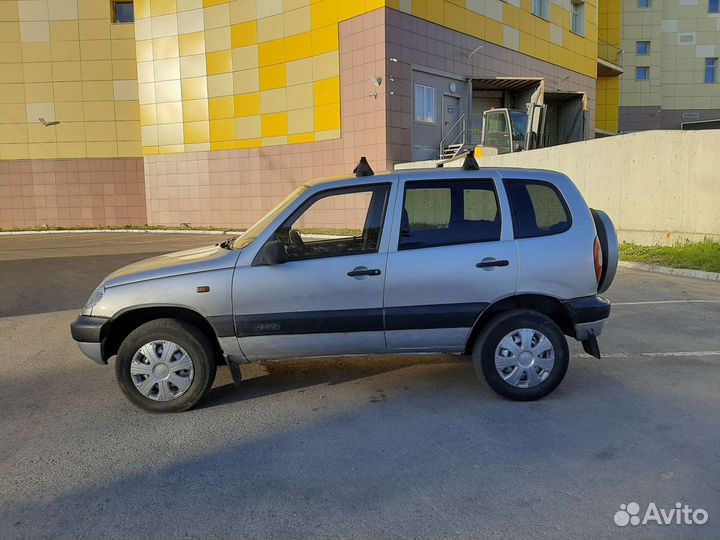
95, 297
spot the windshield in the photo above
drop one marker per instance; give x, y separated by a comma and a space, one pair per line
519, 122
253, 232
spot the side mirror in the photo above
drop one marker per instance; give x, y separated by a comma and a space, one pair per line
273, 252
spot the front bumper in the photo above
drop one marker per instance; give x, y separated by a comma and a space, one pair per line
89, 333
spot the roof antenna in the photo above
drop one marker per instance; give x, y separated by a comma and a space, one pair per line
470, 163
363, 168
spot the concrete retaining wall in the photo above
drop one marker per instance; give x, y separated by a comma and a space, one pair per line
657, 186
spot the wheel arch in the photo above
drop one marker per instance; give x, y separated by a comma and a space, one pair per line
123, 323
547, 305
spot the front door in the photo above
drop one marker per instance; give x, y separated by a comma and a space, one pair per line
451, 114
327, 298
447, 262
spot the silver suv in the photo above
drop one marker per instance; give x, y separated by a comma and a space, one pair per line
497, 263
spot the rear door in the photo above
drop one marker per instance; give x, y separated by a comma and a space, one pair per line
451, 255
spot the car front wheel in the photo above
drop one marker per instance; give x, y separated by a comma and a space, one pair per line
165, 365
522, 354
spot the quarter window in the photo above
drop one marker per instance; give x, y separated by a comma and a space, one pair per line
424, 104
537, 207
336, 223
447, 213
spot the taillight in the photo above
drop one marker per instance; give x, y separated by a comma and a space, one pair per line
597, 252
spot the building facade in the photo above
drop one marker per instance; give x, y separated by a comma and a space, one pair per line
207, 112
670, 61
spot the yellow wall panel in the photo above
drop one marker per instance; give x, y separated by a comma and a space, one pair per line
222, 107
222, 130
193, 43
219, 62
243, 34
274, 125
327, 91
272, 77
247, 104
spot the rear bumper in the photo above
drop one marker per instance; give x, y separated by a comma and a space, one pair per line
89, 333
588, 315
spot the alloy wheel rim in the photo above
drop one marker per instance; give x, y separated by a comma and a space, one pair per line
524, 358
161, 370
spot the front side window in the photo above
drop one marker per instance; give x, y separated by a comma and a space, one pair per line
123, 12
537, 207
336, 223
643, 48
447, 213
711, 70
578, 17
541, 8
642, 73
424, 104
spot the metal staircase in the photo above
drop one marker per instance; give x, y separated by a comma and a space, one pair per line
465, 132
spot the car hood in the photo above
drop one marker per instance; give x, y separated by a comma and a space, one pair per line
201, 259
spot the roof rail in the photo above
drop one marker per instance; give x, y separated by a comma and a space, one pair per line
363, 168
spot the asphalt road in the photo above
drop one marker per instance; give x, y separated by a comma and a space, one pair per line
394, 447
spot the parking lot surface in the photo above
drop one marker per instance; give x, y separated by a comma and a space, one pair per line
391, 447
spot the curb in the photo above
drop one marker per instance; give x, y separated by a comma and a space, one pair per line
149, 231
683, 272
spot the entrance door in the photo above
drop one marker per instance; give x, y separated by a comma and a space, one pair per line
450, 115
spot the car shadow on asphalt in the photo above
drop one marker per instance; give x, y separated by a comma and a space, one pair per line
275, 377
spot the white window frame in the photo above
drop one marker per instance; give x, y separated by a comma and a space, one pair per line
637, 47
541, 8
711, 64
419, 115
577, 17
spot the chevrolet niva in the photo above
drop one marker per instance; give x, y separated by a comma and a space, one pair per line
497, 263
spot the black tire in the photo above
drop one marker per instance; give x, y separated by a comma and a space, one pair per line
187, 336
500, 326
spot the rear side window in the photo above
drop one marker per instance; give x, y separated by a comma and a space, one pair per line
449, 212
537, 208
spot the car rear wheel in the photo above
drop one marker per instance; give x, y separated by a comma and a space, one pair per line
165, 365
522, 354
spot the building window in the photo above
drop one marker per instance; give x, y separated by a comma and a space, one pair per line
578, 17
711, 70
713, 6
643, 48
424, 104
642, 73
123, 12
643, 4
541, 8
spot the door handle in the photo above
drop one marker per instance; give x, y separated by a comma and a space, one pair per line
362, 271
491, 263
